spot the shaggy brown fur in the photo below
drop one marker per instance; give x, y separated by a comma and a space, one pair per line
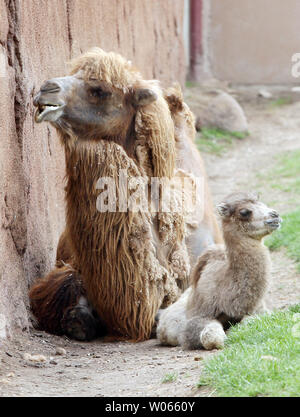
59, 301
57, 292
229, 283
130, 263
202, 232
64, 251
115, 245
127, 263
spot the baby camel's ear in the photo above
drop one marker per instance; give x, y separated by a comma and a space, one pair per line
143, 96
224, 209
256, 195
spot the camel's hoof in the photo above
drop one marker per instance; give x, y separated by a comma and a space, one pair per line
80, 323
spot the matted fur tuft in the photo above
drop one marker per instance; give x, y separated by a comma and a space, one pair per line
174, 97
106, 66
52, 295
124, 280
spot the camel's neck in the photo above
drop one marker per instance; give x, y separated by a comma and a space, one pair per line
96, 233
92, 164
247, 274
248, 261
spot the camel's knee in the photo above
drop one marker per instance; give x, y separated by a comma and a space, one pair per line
81, 322
212, 336
172, 321
58, 301
53, 294
204, 333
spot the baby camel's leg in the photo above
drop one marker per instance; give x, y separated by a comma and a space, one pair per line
204, 333
261, 308
59, 303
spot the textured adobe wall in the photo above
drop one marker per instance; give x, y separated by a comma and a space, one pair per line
37, 38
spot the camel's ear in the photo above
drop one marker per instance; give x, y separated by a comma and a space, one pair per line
144, 96
256, 195
224, 209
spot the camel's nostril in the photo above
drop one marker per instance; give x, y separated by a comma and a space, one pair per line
274, 220
50, 87
274, 214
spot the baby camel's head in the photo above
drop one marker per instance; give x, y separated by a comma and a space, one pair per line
243, 215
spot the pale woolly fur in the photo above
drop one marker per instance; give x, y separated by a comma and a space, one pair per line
172, 321
107, 66
227, 283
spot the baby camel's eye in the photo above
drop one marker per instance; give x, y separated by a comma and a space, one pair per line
245, 213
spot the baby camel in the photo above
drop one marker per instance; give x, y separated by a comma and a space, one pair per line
228, 282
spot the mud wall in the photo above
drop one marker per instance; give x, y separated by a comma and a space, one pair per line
37, 38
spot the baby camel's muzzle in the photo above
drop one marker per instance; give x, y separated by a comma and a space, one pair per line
274, 221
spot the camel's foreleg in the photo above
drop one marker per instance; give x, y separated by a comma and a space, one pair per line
59, 303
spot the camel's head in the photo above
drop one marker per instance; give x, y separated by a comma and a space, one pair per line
98, 100
243, 215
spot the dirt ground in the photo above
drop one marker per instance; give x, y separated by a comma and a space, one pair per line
126, 369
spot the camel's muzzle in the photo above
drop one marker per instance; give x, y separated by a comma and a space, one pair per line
47, 112
49, 100
274, 222
49, 106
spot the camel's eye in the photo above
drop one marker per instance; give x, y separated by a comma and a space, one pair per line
245, 213
97, 92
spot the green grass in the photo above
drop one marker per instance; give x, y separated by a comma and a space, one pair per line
217, 140
169, 377
285, 177
286, 174
281, 101
288, 236
260, 358
191, 84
